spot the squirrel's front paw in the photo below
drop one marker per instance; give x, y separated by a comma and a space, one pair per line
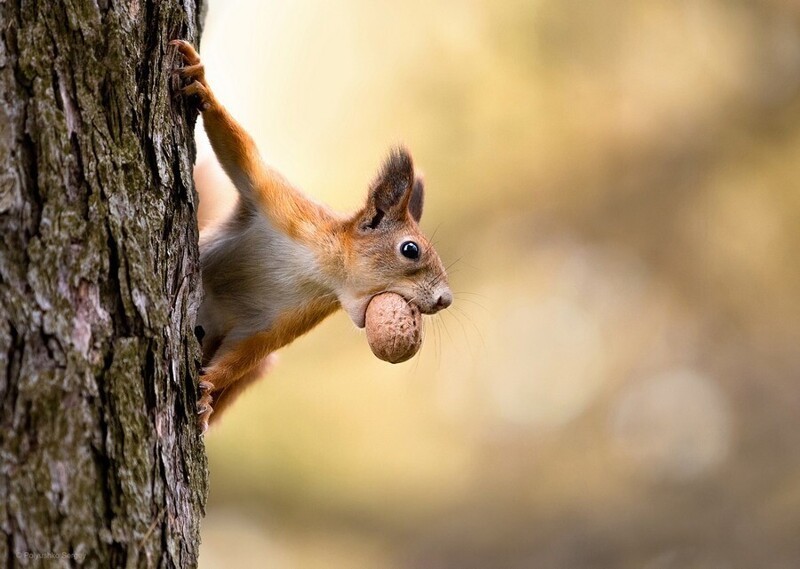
194, 74
204, 408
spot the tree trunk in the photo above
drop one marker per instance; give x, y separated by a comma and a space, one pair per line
101, 462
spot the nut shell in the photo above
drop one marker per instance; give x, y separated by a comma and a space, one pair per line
394, 327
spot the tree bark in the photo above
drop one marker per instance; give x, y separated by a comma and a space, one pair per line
101, 462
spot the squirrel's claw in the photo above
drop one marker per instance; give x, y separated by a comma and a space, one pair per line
196, 72
202, 423
203, 416
195, 88
187, 50
204, 408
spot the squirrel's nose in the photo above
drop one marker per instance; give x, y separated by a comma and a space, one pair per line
445, 299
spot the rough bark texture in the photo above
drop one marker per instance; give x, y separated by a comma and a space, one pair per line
101, 464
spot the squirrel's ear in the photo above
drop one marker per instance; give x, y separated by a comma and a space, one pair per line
391, 189
416, 199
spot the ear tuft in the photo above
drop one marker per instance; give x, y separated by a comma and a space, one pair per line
394, 180
398, 169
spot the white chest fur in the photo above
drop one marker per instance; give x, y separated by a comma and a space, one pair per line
252, 274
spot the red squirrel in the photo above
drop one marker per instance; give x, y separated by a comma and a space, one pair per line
281, 262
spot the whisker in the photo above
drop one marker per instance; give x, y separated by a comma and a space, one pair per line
435, 231
444, 324
443, 274
471, 293
437, 344
430, 240
471, 266
474, 326
441, 345
447, 268
475, 302
437, 279
471, 353
418, 356
461, 324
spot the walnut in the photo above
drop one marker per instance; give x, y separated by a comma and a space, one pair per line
394, 327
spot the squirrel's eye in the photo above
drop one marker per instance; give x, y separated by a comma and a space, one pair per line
410, 250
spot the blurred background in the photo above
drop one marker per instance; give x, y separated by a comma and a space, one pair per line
616, 384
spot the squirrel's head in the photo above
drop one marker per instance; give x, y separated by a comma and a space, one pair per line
386, 251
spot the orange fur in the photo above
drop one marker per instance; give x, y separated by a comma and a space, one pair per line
279, 200
244, 356
225, 397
